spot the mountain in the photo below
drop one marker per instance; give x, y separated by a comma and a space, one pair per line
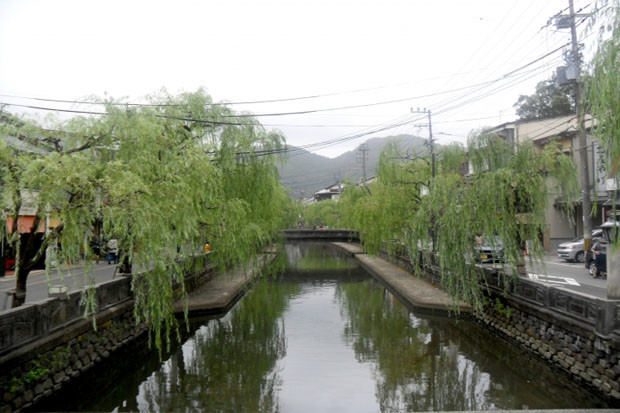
306, 172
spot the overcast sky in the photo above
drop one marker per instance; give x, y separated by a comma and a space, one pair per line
357, 52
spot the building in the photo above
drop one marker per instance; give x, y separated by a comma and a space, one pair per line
331, 192
562, 130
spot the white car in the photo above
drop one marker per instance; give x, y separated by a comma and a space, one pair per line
573, 250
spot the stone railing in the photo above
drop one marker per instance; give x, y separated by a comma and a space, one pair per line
22, 325
32, 321
573, 310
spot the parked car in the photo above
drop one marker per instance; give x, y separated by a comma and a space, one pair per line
573, 250
489, 250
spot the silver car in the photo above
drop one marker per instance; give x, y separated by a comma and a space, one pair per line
573, 250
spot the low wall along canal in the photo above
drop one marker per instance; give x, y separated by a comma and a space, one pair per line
325, 335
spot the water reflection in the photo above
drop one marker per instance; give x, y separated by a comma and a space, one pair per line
324, 336
318, 258
434, 363
229, 364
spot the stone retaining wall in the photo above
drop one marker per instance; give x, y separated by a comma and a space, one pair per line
589, 359
46, 345
29, 382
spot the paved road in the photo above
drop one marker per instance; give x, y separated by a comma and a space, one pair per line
37, 285
573, 276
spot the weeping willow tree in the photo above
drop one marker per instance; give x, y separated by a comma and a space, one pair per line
322, 213
383, 212
603, 88
161, 179
503, 197
603, 102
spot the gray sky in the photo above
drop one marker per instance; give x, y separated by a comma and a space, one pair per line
358, 52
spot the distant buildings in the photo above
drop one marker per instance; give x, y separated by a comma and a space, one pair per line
332, 192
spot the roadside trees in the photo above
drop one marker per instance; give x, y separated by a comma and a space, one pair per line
161, 179
489, 189
603, 102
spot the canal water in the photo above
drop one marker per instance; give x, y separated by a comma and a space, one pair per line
325, 336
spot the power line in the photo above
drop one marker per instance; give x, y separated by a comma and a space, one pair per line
88, 112
506, 75
482, 95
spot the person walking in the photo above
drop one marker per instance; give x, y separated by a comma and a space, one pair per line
112, 251
600, 257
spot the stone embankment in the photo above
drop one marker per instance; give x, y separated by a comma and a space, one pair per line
222, 291
413, 291
32, 381
49, 345
589, 359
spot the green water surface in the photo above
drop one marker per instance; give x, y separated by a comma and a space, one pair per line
324, 336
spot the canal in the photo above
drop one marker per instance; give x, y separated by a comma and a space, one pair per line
325, 336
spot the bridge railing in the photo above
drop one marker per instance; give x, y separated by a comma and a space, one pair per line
321, 234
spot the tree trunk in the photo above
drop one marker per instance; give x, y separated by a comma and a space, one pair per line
30, 253
125, 267
19, 296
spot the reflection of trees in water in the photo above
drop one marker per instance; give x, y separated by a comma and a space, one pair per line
417, 368
230, 363
439, 364
316, 256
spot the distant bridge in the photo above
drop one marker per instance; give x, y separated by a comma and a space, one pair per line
331, 235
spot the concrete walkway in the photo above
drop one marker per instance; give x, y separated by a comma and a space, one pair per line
222, 291
413, 291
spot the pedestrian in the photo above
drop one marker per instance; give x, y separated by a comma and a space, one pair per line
112, 251
600, 257
207, 247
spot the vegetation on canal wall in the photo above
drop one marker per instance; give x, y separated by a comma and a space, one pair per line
28, 382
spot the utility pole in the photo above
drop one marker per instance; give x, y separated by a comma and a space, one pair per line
431, 144
431, 141
338, 179
586, 203
362, 157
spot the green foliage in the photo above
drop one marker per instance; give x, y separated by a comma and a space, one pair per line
602, 90
384, 212
548, 101
160, 185
36, 371
503, 310
505, 196
322, 213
